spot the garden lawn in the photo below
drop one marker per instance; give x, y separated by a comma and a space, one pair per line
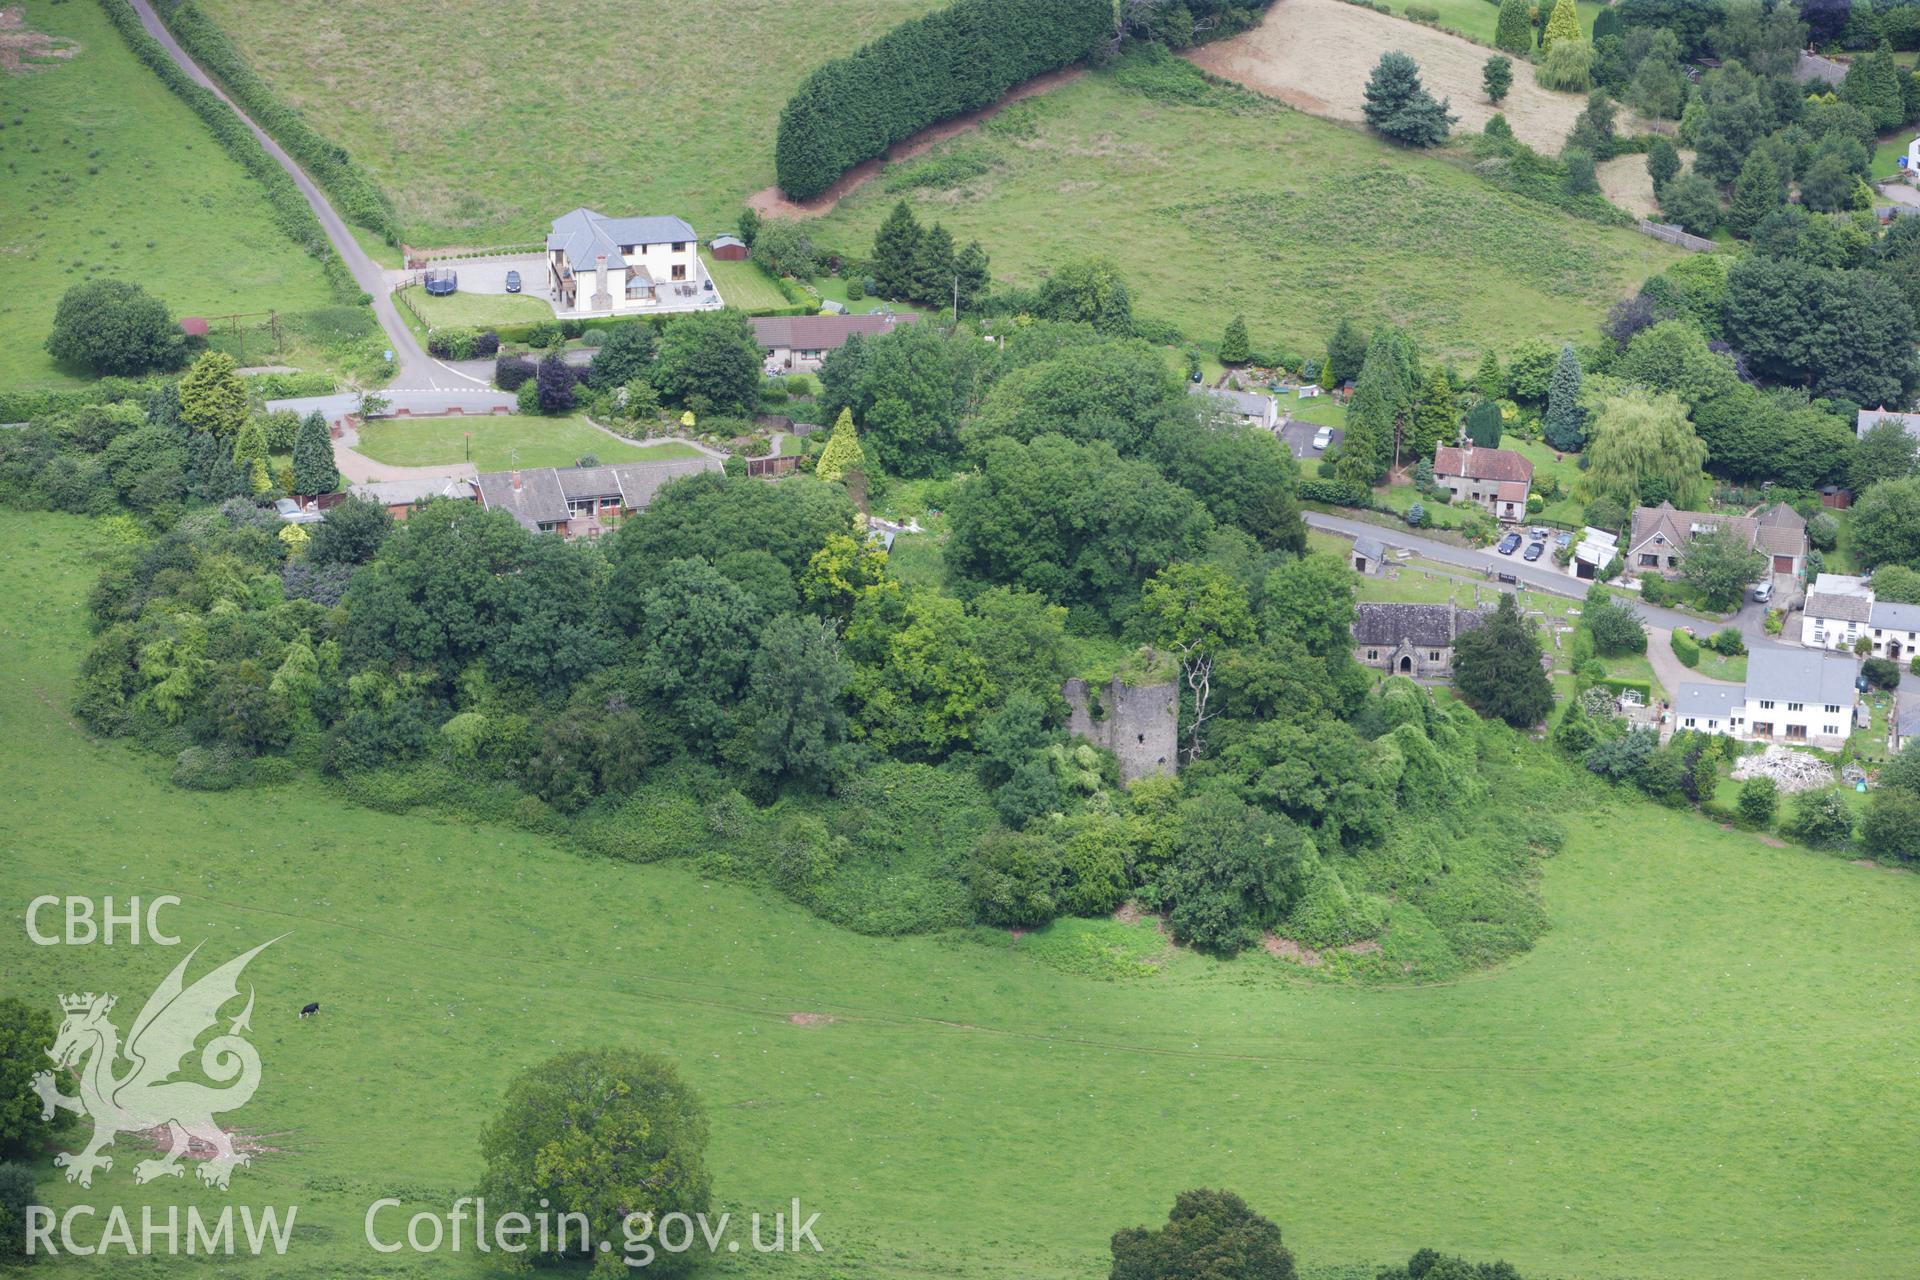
480, 310
745, 285
1241, 205
670, 113
1700, 1072
1564, 509
103, 172
503, 443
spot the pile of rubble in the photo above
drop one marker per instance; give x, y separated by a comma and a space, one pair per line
1792, 771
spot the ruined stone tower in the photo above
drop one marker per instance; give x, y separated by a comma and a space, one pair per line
1140, 724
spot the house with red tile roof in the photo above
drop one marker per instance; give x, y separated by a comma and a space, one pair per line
1495, 480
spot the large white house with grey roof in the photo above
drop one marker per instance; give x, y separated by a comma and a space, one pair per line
599, 266
1791, 695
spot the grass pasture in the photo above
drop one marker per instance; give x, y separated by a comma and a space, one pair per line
104, 172
495, 138
1240, 205
503, 442
1700, 1073
743, 284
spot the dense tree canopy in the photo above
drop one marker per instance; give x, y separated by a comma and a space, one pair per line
115, 327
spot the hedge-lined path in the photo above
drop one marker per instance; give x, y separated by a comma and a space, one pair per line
413, 368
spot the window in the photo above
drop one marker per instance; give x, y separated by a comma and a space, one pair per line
1832, 731
1876, 633
679, 246
1833, 708
679, 271
1689, 722
1650, 560
1433, 655
1819, 636
1373, 655
1796, 706
1798, 732
1766, 704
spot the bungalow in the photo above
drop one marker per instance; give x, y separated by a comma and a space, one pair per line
1310, 441
1867, 419
1411, 639
400, 496
800, 344
1790, 695
1658, 538
575, 501
1250, 407
1497, 480
1837, 608
598, 265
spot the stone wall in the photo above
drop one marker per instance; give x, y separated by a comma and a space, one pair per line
1140, 724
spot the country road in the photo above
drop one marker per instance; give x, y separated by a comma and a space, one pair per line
414, 369
1750, 619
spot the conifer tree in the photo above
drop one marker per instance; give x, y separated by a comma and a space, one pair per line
1564, 24
1514, 30
933, 275
1565, 423
971, 266
1756, 194
843, 452
895, 245
1487, 379
1496, 77
1399, 108
1496, 668
1234, 346
1436, 420
313, 469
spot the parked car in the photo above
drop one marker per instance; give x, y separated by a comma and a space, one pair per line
1509, 544
513, 282
1534, 551
1762, 592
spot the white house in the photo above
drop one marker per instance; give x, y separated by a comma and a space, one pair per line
1867, 419
1791, 695
1837, 608
1895, 629
598, 265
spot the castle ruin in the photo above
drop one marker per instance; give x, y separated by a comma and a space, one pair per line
1140, 724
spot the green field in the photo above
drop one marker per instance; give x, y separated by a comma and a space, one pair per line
670, 109
1478, 19
1252, 208
1702, 1071
104, 172
501, 443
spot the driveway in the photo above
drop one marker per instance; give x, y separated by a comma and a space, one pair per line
1540, 576
489, 275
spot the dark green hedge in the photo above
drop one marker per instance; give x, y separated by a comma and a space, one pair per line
353, 193
291, 212
944, 64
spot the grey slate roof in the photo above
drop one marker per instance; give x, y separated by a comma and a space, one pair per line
1900, 617
393, 493
582, 483
1811, 676
820, 333
640, 481
1702, 701
1249, 404
1431, 626
1811, 66
727, 242
1867, 419
1677, 526
537, 500
583, 235
1370, 547
1844, 607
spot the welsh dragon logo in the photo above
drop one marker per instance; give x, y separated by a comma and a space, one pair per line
145, 1097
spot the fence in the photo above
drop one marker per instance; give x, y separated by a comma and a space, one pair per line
1674, 235
417, 258
769, 468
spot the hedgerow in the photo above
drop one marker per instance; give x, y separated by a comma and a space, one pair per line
353, 193
291, 213
932, 68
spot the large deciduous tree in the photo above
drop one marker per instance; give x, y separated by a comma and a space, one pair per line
1197, 610
1886, 524
605, 1133
1844, 334
710, 359
1210, 1235
1639, 441
1721, 564
115, 327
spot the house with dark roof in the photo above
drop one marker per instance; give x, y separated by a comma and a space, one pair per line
1496, 480
578, 502
1411, 639
1895, 629
1798, 695
1781, 535
1251, 408
798, 344
598, 265
1707, 708
1658, 537
399, 497
1835, 612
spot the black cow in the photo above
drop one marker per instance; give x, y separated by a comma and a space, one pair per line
310, 1009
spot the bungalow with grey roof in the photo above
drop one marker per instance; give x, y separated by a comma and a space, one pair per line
1250, 407
576, 502
1867, 419
400, 497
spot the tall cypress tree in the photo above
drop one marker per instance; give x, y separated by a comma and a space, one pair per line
1487, 379
1346, 350
933, 275
313, 469
1564, 24
1436, 420
971, 266
1565, 423
1514, 30
1382, 397
1234, 346
1756, 194
895, 245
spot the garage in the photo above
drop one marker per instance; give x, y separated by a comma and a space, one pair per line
1783, 564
